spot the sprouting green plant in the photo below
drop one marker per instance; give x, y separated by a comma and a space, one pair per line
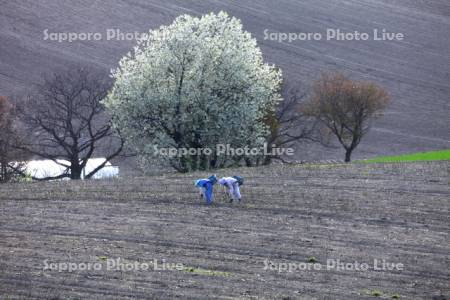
206, 272
25, 178
312, 259
376, 293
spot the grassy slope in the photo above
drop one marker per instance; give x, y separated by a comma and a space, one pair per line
420, 156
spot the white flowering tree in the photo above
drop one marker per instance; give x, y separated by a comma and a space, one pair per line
196, 83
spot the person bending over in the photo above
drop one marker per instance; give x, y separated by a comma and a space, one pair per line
206, 187
232, 185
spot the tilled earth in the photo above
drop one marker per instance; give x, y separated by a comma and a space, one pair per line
301, 218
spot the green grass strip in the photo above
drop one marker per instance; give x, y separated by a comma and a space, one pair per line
420, 156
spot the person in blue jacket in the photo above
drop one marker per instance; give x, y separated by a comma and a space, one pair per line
206, 186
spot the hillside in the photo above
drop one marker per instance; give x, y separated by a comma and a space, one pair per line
416, 70
290, 216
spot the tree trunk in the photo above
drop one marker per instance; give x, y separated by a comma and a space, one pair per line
3, 172
248, 162
75, 172
267, 160
348, 154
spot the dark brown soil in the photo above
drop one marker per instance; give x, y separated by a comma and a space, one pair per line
290, 214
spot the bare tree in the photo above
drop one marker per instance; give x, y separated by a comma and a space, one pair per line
68, 122
10, 158
289, 126
346, 107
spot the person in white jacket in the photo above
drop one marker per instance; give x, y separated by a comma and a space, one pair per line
232, 186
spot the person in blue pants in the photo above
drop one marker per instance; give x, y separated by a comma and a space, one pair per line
206, 187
